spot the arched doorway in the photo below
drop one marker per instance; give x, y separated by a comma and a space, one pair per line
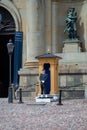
7, 30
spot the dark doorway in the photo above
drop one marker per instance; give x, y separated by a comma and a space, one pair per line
47, 70
4, 64
7, 29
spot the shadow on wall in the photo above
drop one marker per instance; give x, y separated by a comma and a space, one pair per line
80, 33
82, 26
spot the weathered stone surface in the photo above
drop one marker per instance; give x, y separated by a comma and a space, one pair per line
71, 47
35, 28
42, 23
73, 59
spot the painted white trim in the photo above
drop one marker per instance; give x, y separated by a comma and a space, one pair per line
14, 12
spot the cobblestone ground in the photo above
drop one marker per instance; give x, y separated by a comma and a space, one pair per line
72, 115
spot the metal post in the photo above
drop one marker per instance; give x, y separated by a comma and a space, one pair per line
10, 69
10, 90
13, 91
10, 47
20, 96
60, 94
10, 97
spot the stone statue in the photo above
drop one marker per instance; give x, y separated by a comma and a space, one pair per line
71, 29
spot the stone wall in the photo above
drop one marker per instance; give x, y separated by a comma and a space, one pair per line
43, 27
73, 81
54, 24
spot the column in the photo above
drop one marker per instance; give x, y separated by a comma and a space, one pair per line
54, 27
35, 29
48, 17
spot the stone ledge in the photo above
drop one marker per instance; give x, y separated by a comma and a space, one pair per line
69, 41
72, 72
31, 65
26, 72
73, 58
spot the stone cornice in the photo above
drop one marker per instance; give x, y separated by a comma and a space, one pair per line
68, 1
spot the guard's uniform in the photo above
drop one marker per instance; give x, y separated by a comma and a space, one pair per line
43, 83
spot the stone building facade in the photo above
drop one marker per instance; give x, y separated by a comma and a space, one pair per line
42, 23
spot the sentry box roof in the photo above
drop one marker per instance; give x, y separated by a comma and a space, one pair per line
48, 55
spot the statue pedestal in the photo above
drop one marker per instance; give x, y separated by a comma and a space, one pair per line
71, 46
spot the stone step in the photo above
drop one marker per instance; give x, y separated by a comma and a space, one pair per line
47, 98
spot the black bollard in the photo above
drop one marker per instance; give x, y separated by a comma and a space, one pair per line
20, 96
10, 94
60, 94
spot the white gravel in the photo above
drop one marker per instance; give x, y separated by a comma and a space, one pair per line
72, 115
